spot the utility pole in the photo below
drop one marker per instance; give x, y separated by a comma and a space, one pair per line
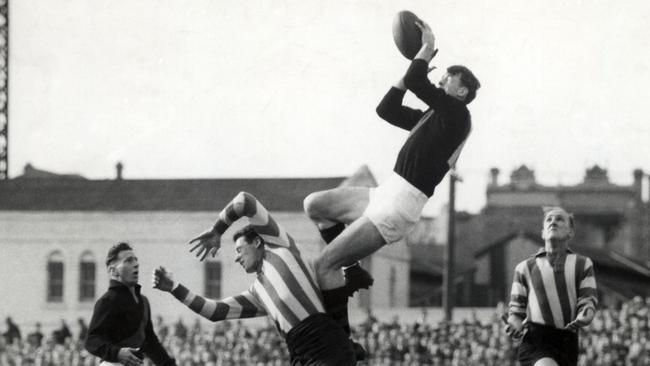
4, 90
448, 279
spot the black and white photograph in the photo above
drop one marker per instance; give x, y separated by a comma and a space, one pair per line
324, 183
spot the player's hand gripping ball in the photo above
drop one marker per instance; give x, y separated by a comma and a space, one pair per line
406, 34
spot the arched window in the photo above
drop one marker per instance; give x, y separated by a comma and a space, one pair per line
212, 279
87, 275
55, 277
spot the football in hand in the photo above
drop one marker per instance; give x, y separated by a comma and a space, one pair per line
406, 34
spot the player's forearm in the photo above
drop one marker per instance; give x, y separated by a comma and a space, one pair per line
390, 105
97, 340
415, 78
518, 295
426, 53
153, 349
589, 301
209, 309
517, 308
244, 204
587, 294
99, 346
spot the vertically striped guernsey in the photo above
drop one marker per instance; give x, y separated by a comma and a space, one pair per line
553, 295
285, 288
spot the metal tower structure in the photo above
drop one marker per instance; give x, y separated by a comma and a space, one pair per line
4, 76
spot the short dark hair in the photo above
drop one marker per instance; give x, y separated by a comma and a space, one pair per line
468, 79
115, 251
248, 232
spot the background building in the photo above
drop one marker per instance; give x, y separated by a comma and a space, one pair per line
612, 223
55, 231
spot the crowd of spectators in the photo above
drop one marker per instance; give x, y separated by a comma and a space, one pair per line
617, 336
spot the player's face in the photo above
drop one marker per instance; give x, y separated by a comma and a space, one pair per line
452, 85
248, 254
557, 225
126, 267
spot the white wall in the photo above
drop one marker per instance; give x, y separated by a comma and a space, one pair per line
159, 238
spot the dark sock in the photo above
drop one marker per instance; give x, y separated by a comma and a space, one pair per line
332, 232
336, 306
357, 278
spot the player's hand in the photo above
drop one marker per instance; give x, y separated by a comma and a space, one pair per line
583, 319
428, 39
127, 357
162, 279
208, 242
514, 326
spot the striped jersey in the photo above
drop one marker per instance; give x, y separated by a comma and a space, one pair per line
285, 288
553, 295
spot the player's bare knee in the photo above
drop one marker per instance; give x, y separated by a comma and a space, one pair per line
314, 205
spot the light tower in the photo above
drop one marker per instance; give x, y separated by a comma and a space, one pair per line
4, 78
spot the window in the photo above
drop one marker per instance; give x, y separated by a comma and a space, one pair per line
55, 277
213, 279
87, 273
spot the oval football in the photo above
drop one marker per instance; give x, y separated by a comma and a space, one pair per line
406, 34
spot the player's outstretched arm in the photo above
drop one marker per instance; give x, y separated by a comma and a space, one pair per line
243, 205
392, 110
241, 306
416, 79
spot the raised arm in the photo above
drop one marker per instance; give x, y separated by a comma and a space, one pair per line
243, 205
394, 112
241, 306
416, 79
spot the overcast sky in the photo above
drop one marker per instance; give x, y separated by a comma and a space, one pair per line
211, 89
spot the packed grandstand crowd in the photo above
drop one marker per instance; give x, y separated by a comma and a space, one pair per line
617, 336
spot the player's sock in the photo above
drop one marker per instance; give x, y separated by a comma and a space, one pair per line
336, 306
328, 234
360, 353
357, 278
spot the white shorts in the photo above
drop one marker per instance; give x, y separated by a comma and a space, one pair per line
395, 207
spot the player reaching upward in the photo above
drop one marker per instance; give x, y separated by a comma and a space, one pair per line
284, 290
386, 214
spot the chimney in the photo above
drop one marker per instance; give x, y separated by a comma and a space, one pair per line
522, 178
638, 184
118, 168
494, 177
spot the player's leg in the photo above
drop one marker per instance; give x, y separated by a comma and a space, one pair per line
338, 206
331, 210
356, 242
